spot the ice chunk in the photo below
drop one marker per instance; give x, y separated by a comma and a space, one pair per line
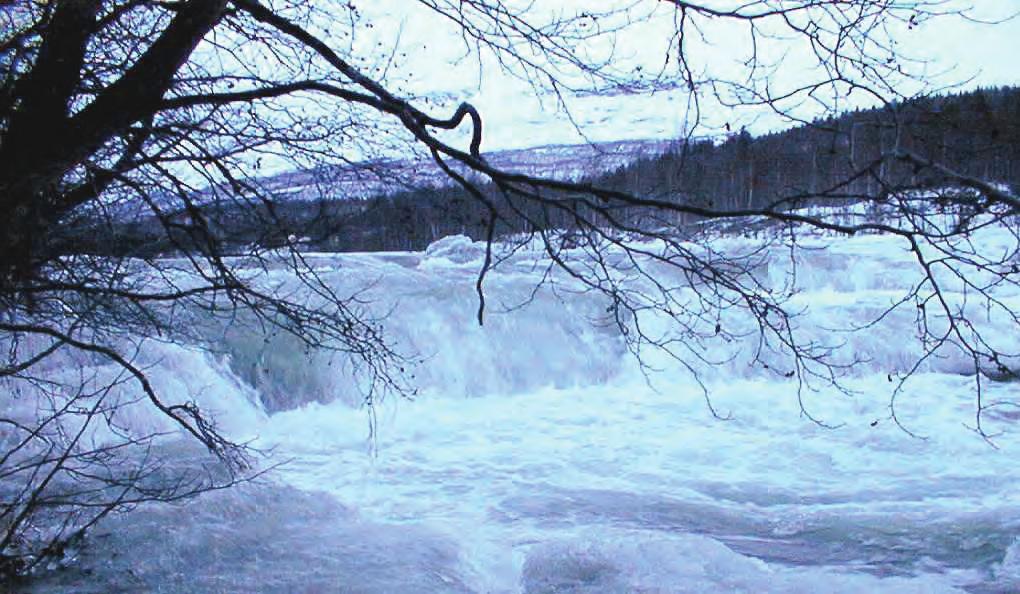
459, 249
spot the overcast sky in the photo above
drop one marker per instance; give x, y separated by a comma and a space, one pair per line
990, 52
432, 63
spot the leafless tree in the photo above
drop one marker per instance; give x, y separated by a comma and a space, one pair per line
165, 115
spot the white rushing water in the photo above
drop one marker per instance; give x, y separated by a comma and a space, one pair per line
538, 458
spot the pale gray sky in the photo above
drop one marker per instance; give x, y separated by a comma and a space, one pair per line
990, 52
437, 66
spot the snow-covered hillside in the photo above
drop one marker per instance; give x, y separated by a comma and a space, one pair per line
365, 180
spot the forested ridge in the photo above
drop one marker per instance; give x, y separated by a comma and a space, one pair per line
976, 134
835, 160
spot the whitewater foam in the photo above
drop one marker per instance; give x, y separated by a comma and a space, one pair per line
542, 458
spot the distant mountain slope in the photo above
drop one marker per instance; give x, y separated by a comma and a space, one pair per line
388, 206
832, 161
367, 180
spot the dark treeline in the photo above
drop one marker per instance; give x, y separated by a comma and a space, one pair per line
834, 160
977, 134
